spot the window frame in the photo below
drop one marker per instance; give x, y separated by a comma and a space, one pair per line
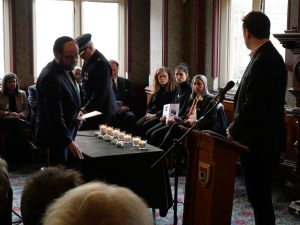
221, 42
77, 19
7, 43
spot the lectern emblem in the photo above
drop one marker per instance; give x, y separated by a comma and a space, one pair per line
204, 173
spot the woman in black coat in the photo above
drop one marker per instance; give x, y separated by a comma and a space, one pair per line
164, 86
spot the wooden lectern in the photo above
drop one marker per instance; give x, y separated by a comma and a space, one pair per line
211, 168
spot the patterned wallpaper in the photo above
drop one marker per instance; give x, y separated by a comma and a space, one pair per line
23, 42
181, 34
140, 42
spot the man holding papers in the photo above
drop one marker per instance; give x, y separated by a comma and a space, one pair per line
58, 104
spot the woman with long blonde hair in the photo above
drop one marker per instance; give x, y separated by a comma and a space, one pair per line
163, 85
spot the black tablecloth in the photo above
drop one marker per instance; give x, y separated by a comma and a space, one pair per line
127, 166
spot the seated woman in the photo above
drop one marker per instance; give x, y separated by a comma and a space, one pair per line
14, 111
181, 96
199, 104
164, 86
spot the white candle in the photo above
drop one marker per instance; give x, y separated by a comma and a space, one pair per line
109, 130
115, 133
127, 138
135, 141
142, 144
121, 136
103, 128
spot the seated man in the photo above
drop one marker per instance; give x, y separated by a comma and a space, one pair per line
99, 204
78, 78
123, 90
42, 188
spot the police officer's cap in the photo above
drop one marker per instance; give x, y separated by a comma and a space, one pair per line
83, 41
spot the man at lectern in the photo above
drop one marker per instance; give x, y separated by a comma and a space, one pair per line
259, 115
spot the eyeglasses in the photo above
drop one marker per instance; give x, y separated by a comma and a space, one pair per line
71, 57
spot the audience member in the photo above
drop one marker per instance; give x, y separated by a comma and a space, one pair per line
123, 90
6, 195
14, 112
259, 115
163, 85
78, 78
42, 188
181, 96
96, 79
58, 104
98, 204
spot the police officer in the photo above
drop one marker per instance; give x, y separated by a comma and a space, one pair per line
96, 79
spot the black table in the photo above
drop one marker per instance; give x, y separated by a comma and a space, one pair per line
127, 166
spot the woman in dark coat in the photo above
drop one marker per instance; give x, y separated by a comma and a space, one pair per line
164, 86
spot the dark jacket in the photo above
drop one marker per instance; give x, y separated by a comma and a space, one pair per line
202, 107
259, 101
58, 106
158, 100
125, 92
181, 95
96, 79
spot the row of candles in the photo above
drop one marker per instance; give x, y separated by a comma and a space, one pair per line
118, 137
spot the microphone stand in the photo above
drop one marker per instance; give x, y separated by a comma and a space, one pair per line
177, 144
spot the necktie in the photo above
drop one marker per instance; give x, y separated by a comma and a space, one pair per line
114, 86
193, 106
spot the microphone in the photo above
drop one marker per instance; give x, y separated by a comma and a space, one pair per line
220, 96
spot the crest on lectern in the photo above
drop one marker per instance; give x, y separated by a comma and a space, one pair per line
204, 173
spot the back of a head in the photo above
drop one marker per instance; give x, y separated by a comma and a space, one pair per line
98, 204
5, 194
42, 188
258, 24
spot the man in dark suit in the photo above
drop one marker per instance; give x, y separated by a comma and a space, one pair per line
96, 80
58, 104
259, 115
123, 91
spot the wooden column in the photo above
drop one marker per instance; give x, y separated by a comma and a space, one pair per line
291, 41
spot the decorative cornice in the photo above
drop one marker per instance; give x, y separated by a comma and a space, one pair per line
290, 41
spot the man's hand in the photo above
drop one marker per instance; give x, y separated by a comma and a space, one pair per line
74, 149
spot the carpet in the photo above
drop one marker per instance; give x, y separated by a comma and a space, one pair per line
241, 213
